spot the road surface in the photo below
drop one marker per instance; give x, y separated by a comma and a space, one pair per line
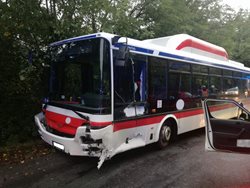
183, 164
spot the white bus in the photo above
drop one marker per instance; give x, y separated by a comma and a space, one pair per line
108, 94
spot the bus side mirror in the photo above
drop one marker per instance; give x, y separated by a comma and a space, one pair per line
122, 56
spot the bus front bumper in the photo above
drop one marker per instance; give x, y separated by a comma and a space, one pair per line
77, 145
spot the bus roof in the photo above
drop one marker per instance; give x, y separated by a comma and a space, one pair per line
186, 48
181, 47
190, 44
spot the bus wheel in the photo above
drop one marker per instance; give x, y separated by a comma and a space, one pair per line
165, 136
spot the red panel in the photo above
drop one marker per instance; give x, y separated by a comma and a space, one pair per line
203, 47
58, 122
138, 123
184, 114
100, 124
124, 125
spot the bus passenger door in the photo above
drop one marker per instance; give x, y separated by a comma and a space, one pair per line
144, 134
130, 88
130, 99
227, 126
124, 109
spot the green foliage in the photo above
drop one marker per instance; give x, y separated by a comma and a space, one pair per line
20, 82
28, 26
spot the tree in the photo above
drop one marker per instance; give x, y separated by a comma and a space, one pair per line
24, 29
241, 37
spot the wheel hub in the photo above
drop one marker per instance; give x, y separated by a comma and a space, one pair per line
167, 133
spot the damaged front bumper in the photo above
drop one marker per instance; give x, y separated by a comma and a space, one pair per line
91, 143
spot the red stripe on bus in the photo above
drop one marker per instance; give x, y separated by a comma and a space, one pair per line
203, 47
100, 124
153, 120
137, 123
124, 125
58, 121
180, 115
157, 119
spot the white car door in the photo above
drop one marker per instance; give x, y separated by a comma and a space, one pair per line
227, 126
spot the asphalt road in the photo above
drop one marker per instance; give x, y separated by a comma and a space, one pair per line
183, 164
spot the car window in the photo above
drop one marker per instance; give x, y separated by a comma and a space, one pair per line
223, 110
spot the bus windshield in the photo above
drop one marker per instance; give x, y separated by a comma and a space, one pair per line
80, 76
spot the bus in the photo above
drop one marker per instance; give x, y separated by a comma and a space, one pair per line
109, 94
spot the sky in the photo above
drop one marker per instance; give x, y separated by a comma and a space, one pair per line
237, 4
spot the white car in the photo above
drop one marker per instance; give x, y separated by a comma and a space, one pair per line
227, 125
232, 91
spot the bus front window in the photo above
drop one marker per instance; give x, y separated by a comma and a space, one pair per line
80, 76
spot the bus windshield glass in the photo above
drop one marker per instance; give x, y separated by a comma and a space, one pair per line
80, 76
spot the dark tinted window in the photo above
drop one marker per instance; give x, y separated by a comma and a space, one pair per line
179, 66
200, 86
157, 85
157, 81
199, 69
215, 87
215, 71
237, 74
123, 82
227, 73
179, 83
179, 87
231, 87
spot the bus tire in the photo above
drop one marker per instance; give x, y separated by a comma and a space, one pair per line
167, 134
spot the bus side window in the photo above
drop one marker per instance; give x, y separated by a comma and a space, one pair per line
179, 85
157, 85
179, 88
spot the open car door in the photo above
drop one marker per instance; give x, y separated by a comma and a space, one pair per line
227, 126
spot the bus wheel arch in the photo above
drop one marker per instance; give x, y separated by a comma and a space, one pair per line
167, 132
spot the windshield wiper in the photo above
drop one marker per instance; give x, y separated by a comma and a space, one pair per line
81, 116
85, 123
